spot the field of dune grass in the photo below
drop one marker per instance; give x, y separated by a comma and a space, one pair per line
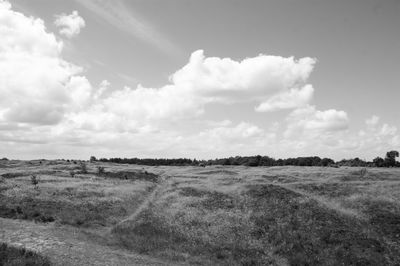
216, 215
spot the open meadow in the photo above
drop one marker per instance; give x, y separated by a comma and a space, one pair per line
117, 214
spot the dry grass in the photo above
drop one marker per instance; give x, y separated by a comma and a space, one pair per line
252, 216
220, 215
83, 200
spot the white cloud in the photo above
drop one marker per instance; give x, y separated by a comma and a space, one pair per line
373, 121
103, 89
311, 132
208, 80
310, 121
70, 25
32, 72
252, 79
47, 89
377, 138
80, 92
294, 98
151, 103
20, 33
387, 130
227, 139
242, 130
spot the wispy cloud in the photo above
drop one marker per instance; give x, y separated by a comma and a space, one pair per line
122, 17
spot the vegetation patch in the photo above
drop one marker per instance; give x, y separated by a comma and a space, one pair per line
14, 174
132, 175
214, 239
308, 234
28, 173
218, 172
211, 200
192, 192
280, 178
209, 229
83, 213
383, 215
10, 255
330, 189
217, 215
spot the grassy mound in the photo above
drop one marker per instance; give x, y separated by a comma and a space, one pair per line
84, 213
198, 227
264, 224
307, 233
92, 201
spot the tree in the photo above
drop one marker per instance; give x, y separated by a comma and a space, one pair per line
379, 162
390, 159
92, 159
254, 161
327, 162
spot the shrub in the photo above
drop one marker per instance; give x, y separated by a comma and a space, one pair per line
100, 170
34, 180
363, 172
72, 173
83, 168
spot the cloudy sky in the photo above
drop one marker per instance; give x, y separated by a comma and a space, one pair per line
199, 79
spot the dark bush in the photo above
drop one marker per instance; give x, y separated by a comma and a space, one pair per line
34, 180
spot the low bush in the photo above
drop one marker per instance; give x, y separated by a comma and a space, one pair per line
34, 180
363, 172
83, 168
100, 170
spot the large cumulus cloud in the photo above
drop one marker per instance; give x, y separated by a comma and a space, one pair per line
48, 106
34, 79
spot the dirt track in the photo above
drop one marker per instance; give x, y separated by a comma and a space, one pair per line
66, 246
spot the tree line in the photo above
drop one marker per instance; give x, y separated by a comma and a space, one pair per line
388, 161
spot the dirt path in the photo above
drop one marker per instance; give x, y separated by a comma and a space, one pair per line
65, 246
145, 204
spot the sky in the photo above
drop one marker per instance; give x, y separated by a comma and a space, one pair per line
199, 79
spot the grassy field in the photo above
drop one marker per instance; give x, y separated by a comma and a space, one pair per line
218, 215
